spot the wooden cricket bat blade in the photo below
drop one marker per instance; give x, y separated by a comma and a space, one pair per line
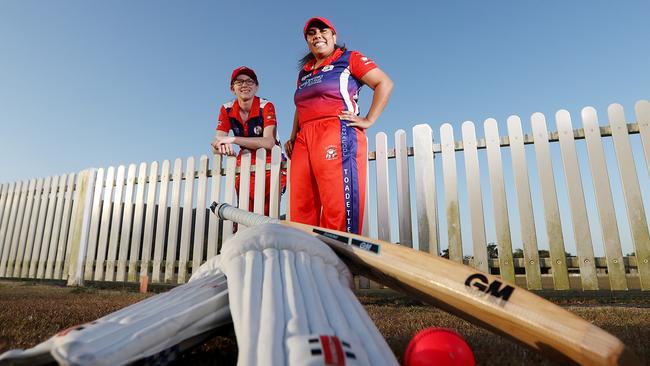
478, 297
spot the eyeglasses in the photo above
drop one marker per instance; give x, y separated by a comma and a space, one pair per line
248, 82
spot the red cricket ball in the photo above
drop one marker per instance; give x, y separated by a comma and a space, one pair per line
440, 347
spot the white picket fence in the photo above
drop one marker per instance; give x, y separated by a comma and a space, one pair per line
120, 224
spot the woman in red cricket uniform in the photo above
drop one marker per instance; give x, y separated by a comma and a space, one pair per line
328, 147
253, 123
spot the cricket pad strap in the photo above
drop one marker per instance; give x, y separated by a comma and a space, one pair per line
155, 329
292, 303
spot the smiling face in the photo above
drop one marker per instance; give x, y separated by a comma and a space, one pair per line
320, 40
244, 87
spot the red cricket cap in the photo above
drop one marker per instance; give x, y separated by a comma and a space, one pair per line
243, 70
320, 20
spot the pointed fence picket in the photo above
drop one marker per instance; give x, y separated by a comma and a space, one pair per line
525, 204
94, 226
260, 177
631, 191
4, 192
403, 190
125, 228
8, 225
215, 196
450, 184
13, 249
64, 243
499, 201
549, 198
136, 238
383, 189
29, 245
149, 224
186, 225
18, 262
56, 228
229, 195
118, 224
4, 224
604, 200
244, 182
77, 243
104, 225
49, 219
274, 185
174, 217
425, 185
477, 218
159, 247
581, 232
199, 229
40, 225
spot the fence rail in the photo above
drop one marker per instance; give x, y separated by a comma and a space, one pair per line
513, 204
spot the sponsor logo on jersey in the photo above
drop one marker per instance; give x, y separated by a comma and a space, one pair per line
328, 68
480, 282
330, 152
309, 82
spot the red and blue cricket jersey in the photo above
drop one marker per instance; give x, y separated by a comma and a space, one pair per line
261, 115
329, 159
331, 88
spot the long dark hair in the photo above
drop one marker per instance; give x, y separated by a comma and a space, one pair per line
310, 56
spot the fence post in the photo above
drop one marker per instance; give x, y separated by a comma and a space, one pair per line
425, 185
81, 224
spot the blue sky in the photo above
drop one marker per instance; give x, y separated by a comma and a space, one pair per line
92, 84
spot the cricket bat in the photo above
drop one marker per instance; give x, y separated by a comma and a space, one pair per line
475, 296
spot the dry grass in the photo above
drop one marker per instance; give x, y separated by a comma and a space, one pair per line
31, 313
399, 320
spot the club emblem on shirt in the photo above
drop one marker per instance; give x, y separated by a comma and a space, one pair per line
257, 130
330, 152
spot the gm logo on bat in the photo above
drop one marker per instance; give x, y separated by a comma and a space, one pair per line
481, 283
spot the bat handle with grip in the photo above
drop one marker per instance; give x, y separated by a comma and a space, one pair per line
226, 212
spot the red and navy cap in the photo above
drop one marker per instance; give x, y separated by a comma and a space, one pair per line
243, 70
320, 20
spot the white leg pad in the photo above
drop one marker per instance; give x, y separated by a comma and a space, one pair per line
142, 330
292, 303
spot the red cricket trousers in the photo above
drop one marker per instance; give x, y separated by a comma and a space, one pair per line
328, 175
